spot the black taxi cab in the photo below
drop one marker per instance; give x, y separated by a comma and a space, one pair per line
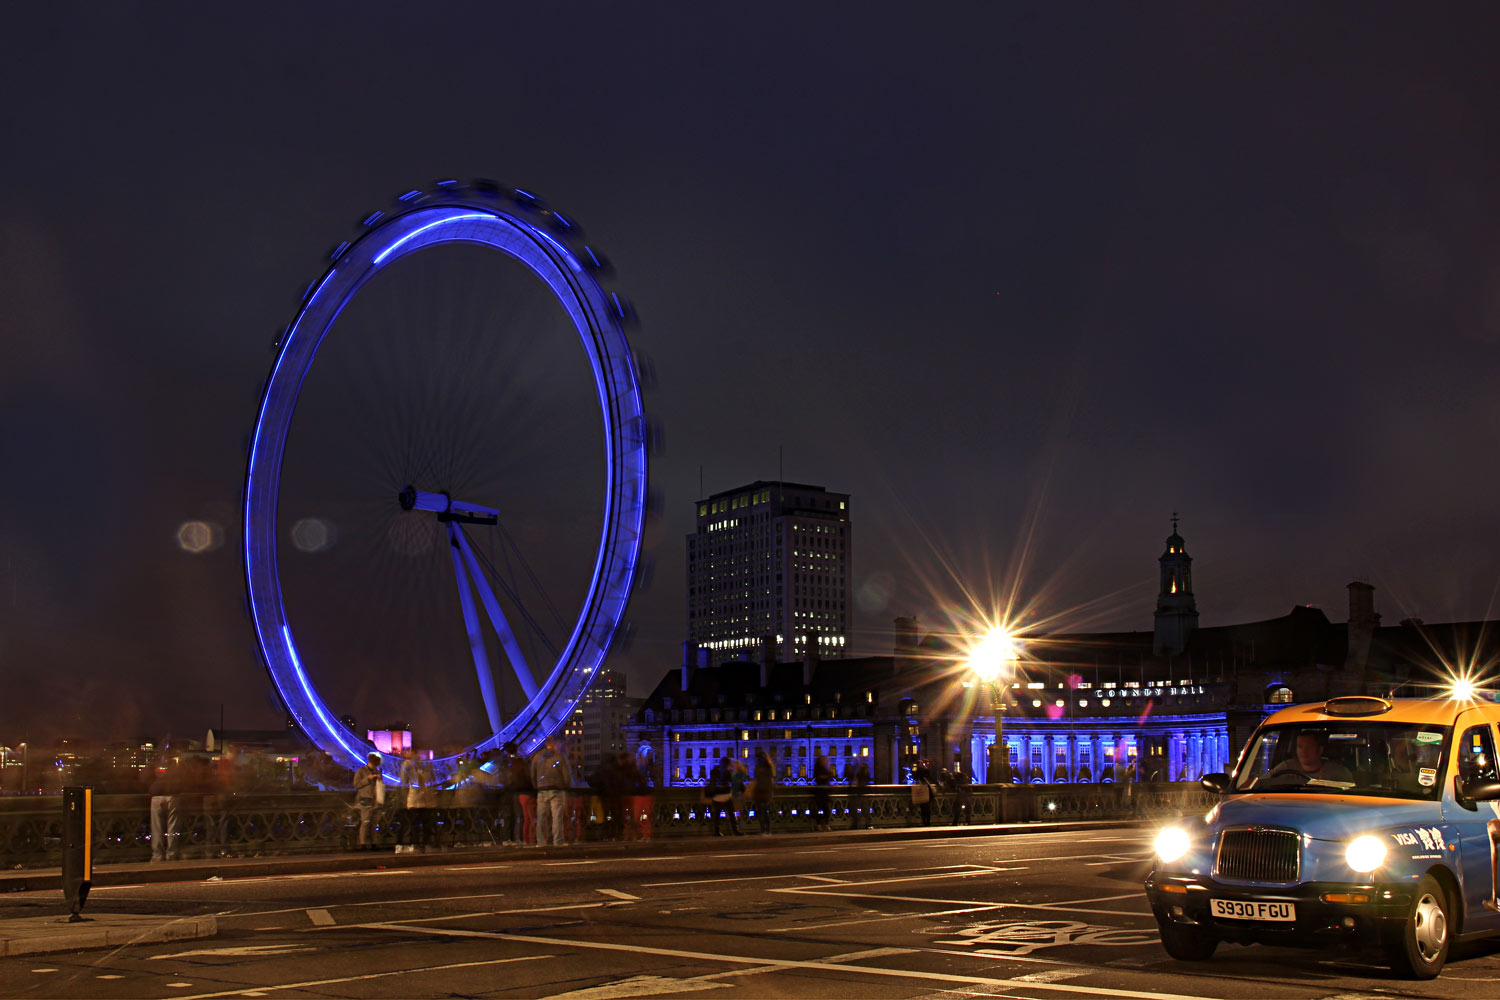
1359, 822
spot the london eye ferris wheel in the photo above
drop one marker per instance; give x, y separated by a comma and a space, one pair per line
424, 429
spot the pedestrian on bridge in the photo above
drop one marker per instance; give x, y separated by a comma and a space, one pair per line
763, 789
859, 789
367, 781
421, 801
822, 779
552, 774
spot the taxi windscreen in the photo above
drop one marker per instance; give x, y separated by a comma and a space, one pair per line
1348, 758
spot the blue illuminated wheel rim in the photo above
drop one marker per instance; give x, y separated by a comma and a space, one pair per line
516, 224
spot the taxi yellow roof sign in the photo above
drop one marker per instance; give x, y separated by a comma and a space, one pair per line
1356, 705
1407, 711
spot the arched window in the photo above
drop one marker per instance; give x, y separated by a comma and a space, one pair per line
1279, 694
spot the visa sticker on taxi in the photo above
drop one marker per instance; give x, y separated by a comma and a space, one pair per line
1238, 909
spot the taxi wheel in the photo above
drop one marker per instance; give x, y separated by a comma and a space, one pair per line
1423, 946
1185, 944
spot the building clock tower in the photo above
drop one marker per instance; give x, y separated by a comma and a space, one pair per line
1176, 610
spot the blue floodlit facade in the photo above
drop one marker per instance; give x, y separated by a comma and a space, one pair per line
1170, 704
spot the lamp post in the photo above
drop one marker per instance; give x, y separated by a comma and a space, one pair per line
993, 661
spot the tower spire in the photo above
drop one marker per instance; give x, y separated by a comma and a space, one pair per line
1176, 608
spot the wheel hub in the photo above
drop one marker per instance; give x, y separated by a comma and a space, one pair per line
1430, 926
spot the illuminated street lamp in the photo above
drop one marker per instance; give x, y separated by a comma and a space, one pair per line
993, 661
1462, 688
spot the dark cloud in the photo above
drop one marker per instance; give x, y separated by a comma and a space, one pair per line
1071, 268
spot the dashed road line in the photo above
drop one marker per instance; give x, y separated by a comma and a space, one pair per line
262, 990
777, 963
762, 878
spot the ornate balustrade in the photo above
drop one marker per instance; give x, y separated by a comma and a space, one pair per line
314, 822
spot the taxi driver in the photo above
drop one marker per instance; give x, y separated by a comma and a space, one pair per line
1310, 762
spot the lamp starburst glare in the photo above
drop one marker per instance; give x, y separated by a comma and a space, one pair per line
994, 655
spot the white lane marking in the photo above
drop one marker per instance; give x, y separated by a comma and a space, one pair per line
851, 956
374, 902
875, 920
321, 918
43, 970
1053, 975
295, 878
262, 990
779, 963
831, 881
178, 986
490, 913
109, 977
1022, 937
479, 868
904, 878
648, 985
1098, 899
815, 890
761, 878
665, 857
237, 951
640, 986
617, 894
558, 864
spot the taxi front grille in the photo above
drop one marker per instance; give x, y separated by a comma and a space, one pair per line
1259, 855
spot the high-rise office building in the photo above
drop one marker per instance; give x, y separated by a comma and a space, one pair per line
770, 561
593, 732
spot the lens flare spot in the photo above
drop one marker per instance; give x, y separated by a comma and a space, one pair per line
198, 537
312, 534
874, 594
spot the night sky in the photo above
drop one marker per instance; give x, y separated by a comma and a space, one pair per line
1023, 280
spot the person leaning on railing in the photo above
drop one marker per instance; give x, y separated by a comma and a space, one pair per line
367, 786
763, 789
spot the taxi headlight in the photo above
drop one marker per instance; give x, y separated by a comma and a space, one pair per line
1171, 844
1365, 854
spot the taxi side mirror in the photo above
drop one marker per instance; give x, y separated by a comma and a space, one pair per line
1476, 790
1219, 783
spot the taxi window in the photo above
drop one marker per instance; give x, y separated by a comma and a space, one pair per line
1476, 755
1353, 757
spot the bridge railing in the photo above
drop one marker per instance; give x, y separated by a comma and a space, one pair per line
296, 823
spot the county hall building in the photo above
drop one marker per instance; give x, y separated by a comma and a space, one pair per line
765, 667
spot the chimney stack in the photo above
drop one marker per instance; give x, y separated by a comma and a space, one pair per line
687, 663
908, 631
810, 660
1363, 621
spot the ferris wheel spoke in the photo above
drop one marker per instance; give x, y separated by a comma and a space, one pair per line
471, 625
497, 616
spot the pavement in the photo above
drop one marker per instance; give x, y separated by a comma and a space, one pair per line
43, 934
40, 935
